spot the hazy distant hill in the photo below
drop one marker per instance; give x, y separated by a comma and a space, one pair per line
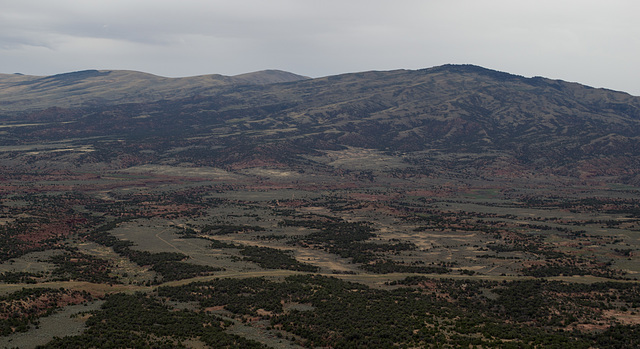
265, 77
93, 87
468, 118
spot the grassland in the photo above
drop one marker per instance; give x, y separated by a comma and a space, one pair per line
438, 228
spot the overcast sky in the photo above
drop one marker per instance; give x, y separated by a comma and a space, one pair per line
596, 43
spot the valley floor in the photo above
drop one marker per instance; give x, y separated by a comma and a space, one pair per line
373, 254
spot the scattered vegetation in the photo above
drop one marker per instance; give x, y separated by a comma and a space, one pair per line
453, 195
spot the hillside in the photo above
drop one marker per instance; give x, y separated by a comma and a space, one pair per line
434, 117
20, 93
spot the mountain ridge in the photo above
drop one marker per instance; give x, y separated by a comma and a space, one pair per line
128, 86
432, 114
91, 87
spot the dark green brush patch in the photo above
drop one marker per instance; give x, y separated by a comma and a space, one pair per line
271, 258
127, 321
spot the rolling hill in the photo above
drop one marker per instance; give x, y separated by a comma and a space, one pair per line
92, 87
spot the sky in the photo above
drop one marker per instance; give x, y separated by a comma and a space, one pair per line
596, 43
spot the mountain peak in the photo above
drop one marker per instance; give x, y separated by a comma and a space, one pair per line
270, 76
470, 68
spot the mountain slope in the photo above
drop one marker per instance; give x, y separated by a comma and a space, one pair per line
466, 118
93, 87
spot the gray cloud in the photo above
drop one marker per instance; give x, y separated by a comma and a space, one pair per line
588, 41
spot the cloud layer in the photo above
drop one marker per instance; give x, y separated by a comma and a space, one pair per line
592, 42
